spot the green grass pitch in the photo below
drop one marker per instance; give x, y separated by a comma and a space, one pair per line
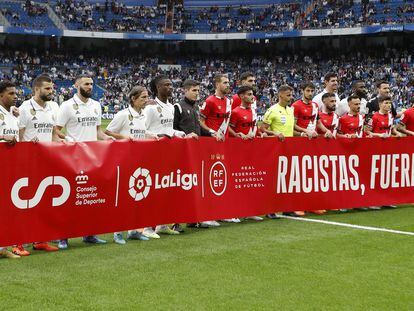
274, 265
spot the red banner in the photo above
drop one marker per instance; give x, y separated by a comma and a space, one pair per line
51, 191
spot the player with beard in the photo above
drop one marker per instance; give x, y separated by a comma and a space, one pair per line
243, 121
37, 122
160, 121
351, 125
81, 117
328, 119
9, 130
331, 86
383, 89
246, 79
359, 89
306, 112
215, 111
215, 116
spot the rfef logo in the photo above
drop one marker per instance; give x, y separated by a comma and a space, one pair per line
46, 182
218, 178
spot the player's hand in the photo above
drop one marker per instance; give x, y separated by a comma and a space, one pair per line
35, 140
353, 136
218, 136
191, 135
69, 139
280, 136
328, 134
311, 134
245, 137
385, 135
264, 135
10, 140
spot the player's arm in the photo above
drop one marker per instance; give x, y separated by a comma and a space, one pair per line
177, 116
402, 128
55, 135
115, 135
326, 132
21, 133
102, 135
115, 126
9, 139
395, 132
59, 133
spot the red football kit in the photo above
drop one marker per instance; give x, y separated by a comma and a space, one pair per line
330, 121
216, 112
350, 124
306, 115
381, 123
242, 120
408, 119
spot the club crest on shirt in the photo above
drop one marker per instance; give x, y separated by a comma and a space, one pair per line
130, 117
33, 113
96, 111
159, 109
76, 107
219, 107
1, 116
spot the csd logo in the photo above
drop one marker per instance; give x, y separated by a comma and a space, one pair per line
48, 181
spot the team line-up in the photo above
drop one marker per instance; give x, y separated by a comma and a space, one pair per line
79, 120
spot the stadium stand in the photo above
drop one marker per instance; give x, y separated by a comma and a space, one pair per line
115, 75
199, 16
27, 14
349, 13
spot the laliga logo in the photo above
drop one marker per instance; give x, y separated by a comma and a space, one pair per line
48, 181
218, 178
140, 182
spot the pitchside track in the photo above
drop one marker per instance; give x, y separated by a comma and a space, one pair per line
276, 265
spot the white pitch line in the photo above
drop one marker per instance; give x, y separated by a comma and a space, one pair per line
334, 223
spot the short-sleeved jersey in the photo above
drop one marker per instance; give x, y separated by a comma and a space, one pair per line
9, 124
128, 122
306, 115
330, 121
80, 119
38, 121
159, 119
351, 124
381, 123
318, 99
242, 121
216, 112
407, 119
280, 119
